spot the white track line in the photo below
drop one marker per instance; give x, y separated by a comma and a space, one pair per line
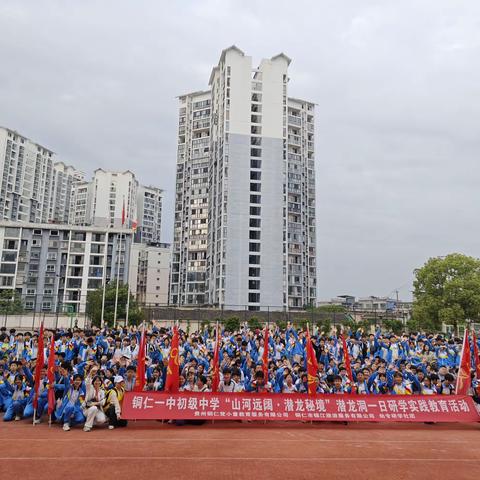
276, 459
91, 439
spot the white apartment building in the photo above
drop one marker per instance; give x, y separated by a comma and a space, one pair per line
257, 146
53, 267
34, 187
101, 201
149, 214
149, 273
189, 256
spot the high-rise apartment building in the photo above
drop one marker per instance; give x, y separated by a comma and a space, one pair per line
149, 273
102, 200
149, 214
245, 204
34, 186
189, 256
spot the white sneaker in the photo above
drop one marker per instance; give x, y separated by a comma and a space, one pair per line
17, 418
87, 429
66, 427
111, 427
37, 421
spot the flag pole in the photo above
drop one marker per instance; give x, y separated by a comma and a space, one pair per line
118, 280
104, 281
128, 284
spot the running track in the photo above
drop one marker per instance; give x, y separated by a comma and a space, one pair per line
250, 451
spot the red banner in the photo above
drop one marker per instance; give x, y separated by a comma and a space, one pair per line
356, 408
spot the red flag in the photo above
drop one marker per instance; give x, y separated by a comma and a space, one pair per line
51, 377
463, 378
475, 355
346, 358
216, 363
312, 366
38, 366
134, 226
265, 354
140, 378
173, 375
123, 212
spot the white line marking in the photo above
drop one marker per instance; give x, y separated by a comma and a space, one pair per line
91, 439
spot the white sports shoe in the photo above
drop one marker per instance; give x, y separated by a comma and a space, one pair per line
111, 427
87, 429
37, 421
17, 418
66, 427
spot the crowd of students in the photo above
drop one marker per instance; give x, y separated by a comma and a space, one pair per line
94, 368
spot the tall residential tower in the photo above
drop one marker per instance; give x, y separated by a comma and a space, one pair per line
245, 213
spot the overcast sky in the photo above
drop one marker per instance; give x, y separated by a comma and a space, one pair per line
397, 85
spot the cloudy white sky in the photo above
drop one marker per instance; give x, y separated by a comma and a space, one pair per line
398, 119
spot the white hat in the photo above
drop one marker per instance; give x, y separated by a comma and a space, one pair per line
118, 379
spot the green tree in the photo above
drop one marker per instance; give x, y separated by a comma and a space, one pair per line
10, 302
254, 323
94, 305
232, 324
446, 290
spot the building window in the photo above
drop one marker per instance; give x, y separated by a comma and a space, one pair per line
254, 297
255, 152
255, 163
253, 272
256, 199
254, 175
255, 222
254, 284
254, 247
46, 305
254, 235
255, 211
254, 259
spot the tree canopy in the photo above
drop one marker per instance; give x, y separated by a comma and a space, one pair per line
447, 290
94, 305
10, 302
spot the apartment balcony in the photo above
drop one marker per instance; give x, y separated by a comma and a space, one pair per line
294, 120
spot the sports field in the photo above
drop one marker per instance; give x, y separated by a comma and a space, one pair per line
230, 450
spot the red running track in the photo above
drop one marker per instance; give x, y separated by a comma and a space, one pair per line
252, 451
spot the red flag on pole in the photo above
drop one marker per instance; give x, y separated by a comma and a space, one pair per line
265, 354
312, 366
51, 377
346, 358
38, 366
463, 378
140, 377
123, 212
216, 362
173, 375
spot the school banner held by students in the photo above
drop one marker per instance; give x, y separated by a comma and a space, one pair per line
464, 380
51, 377
140, 377
38, 366
355, 408
312, 366
172, 381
